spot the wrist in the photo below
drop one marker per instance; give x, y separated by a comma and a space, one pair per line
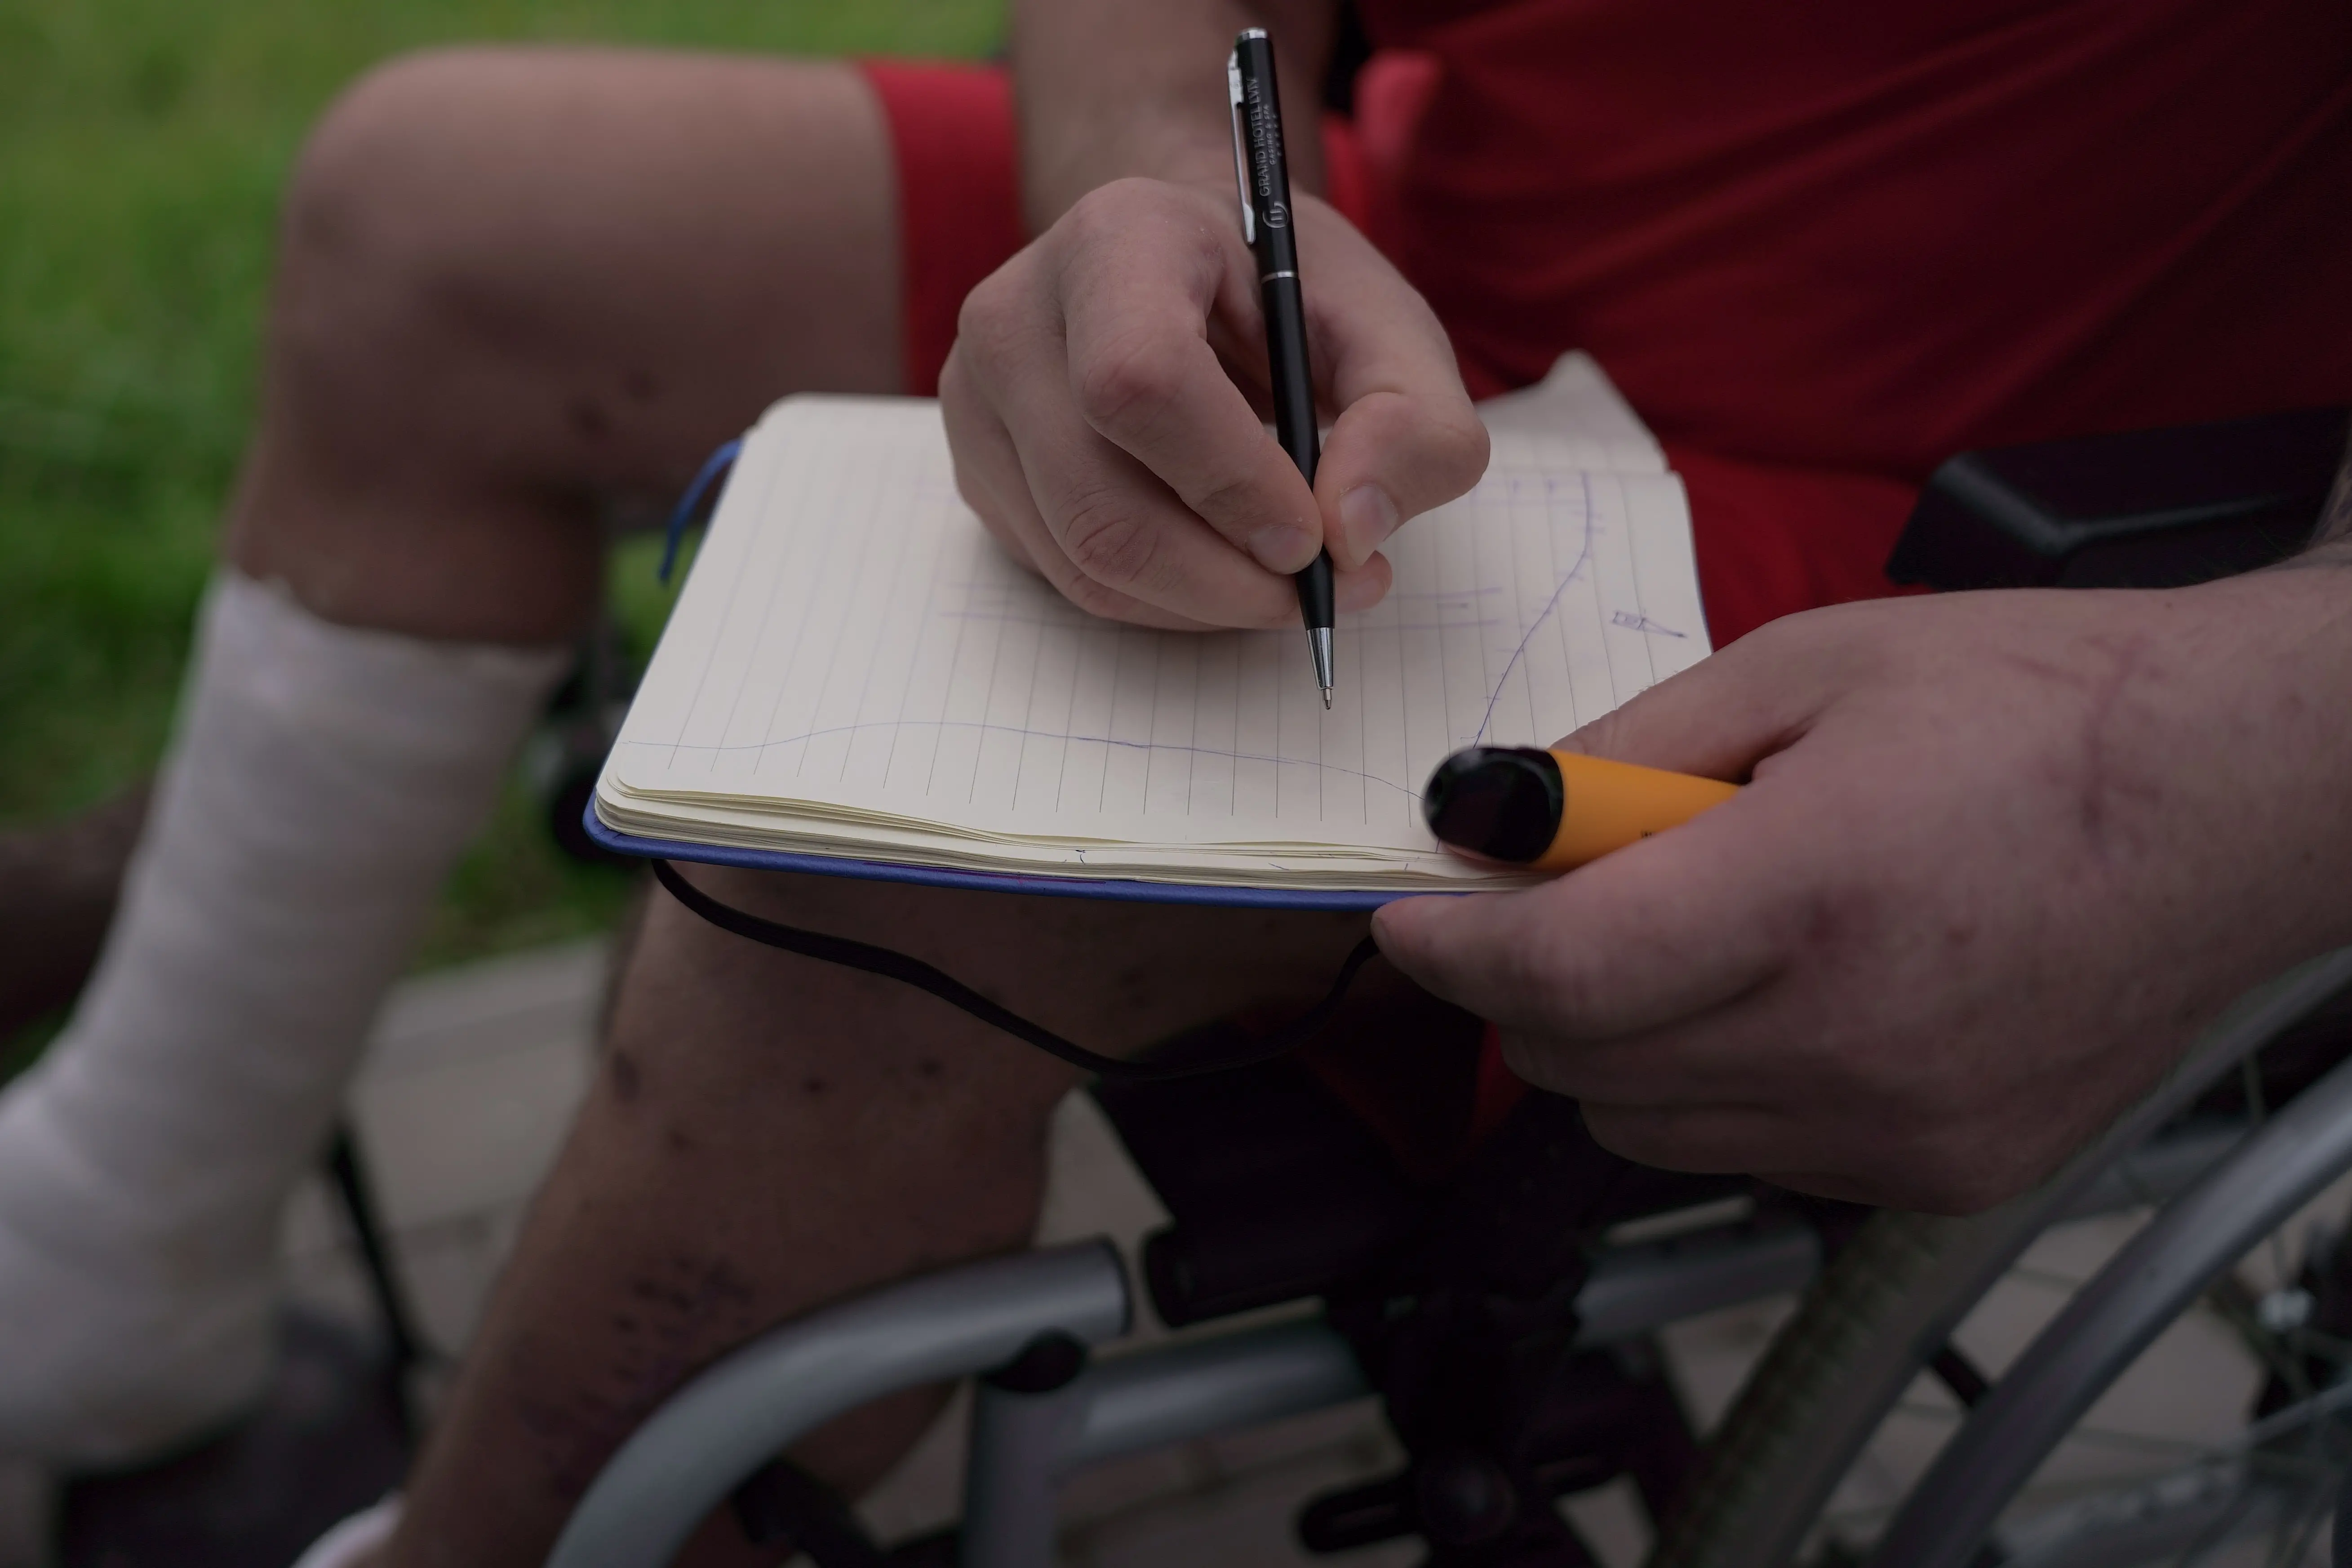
1062, 169
1113, 91
2261, 678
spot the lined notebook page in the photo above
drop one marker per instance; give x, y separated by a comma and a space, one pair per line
853, 662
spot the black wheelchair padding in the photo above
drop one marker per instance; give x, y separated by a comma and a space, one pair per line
2144, 508
1455, 1282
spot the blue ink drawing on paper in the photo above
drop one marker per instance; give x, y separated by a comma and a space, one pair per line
1634, 621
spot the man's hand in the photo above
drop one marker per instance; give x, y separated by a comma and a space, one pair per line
2002, 855
1104, 402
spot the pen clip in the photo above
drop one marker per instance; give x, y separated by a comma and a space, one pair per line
1240, 159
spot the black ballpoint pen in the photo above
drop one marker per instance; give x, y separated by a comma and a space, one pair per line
1265, 177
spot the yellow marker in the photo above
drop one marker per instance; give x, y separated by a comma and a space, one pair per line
1553, 811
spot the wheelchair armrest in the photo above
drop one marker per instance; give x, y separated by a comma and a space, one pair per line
2146, 509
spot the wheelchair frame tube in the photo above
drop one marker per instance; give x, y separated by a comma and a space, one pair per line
1025, 1445
748, 1407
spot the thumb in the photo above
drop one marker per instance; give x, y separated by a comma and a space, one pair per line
1394, 455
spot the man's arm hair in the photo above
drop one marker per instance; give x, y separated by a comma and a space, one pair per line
1107, 89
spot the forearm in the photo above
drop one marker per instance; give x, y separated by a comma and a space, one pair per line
2283, 652
1109, 89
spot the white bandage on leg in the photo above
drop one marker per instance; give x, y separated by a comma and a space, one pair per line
321, 781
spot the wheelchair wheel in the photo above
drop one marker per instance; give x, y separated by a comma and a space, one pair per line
1952, 1392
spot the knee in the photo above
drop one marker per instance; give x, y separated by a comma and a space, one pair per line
377, 239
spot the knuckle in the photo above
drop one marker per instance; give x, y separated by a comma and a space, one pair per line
1095, 598
1100, 215
990, 320
1109, 212
1230, 500
1129, 384
1107, 539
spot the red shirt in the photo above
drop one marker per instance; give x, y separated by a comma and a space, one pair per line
1820, 248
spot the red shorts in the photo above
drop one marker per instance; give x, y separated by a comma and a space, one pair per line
959, 202
1770, 540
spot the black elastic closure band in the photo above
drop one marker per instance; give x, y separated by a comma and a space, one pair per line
894, 966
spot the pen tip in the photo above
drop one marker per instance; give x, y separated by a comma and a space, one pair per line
1326, 700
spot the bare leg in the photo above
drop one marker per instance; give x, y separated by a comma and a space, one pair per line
769, 1133
515, 278
512, 279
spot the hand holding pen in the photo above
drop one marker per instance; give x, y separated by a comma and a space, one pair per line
1104, 441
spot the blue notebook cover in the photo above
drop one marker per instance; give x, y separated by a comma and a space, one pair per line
1124, 890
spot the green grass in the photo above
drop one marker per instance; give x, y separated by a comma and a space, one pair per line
143, 144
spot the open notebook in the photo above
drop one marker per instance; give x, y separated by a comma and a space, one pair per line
855, 669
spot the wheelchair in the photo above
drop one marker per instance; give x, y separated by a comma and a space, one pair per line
1459, 1247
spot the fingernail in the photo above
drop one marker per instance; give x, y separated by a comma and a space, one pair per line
1278, 547
1367, 517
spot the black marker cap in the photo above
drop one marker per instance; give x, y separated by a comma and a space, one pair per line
1502, 803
